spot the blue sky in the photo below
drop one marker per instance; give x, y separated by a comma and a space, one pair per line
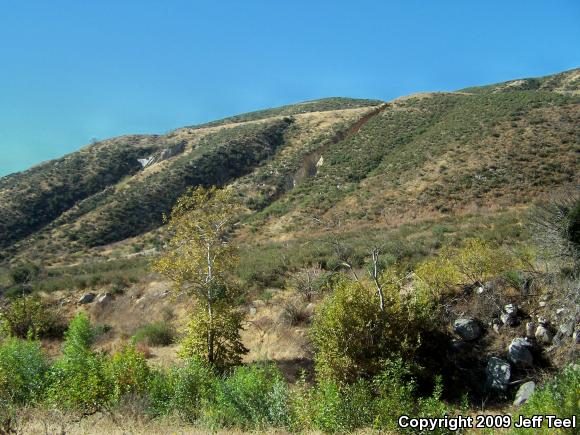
75, 70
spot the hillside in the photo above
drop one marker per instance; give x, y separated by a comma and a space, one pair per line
442, 186
371, 164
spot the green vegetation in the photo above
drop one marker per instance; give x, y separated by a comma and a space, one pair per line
155, 334
353, 336
199, 260
560, 397
322, 105
29, 317
439, 185
248, 397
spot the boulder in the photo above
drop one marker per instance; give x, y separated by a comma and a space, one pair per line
467, 328
542, 321
511, 309
576, 337
566, 329
104, 298
508, 319
524, 393
530, 329
87, 298
498, 374
519, 352
543, 334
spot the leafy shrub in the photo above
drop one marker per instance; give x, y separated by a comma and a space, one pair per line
225, 326
24, 273
22, 371
476, 262
192, 385
79, 380
395, 394
560, 397
161, 391
331, 407
28, 316
352, 335
129, 372
251, 397
155, 334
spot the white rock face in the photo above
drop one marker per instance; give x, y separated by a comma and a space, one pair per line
104, 298
145, 162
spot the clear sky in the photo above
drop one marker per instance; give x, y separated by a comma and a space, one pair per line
75, 70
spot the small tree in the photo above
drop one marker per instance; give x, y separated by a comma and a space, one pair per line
199, 259
352, 334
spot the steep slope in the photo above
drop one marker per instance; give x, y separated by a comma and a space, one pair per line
119, 188
438, 154
370, 165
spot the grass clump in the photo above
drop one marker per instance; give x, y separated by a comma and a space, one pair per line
560, 396
155, 334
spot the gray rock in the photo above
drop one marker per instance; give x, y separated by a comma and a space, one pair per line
458, 345
566, 329
543, 335
542, 321
253, 311
560, 311
576, 337
104, 298
511, 309
467, 328
495, 327
519, 352
87, 298
530, 329
498, 374
542, 304
524, 393
508, 319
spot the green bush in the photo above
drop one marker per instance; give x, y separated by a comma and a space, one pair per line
28, 316
560, 396
155, 334
24, 273
225, 325
22, 371
252, 397
192, 387
129, 372
79, 380
161, 391
331, 407
352, 336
